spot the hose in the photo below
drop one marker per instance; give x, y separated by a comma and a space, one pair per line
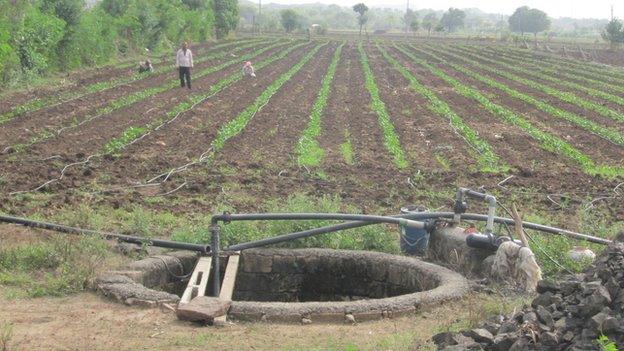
204, 249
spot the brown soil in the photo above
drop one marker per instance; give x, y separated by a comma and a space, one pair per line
260, 163
591, 115
86, 107
76, 80
88, 322
601, 150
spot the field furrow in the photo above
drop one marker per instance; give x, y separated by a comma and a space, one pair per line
124, 99
548, 142
575, 99
108, 78
542, 113
190, 121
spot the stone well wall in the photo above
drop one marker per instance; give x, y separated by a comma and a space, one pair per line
319, 285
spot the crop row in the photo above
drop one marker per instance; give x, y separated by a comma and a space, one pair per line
39, 103
616, 75
571, 73
515, 67
548, 142
119, 143
486, 158
391, 139
127, 100
561, 95
309, 153
604, 132
235, 126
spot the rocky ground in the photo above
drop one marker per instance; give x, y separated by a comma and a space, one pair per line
569, 314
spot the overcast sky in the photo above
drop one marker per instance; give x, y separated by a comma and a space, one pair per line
554, 8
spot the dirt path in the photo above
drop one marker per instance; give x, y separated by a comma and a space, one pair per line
88, 322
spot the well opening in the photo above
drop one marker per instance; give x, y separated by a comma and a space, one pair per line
323, 275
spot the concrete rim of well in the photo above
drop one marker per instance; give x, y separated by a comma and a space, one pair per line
449, 286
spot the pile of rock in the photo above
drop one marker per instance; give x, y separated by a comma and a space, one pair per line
570, 314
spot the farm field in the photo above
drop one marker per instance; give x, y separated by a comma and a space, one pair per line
370, 125
379, 125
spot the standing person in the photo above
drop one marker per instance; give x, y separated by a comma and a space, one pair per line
184, 61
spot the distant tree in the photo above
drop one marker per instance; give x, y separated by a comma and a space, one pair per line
67, 10
453, 19
414, 26
361, 10
409, 18
196, 4
528, 20
430, 22
614, 33
226, 16
290, 19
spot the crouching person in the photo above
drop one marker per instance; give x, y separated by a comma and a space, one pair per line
146, 67
248, 70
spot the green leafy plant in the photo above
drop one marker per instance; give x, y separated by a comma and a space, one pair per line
561, 95
547, 140
606, 344
309, 153
485, 156
391, 139
604, 132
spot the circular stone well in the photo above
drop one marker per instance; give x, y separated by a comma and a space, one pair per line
298, 286
321, 285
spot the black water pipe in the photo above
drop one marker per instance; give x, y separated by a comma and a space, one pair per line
226, 217
204, 249
412, 216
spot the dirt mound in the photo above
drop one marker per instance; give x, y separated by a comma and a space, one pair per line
571, 314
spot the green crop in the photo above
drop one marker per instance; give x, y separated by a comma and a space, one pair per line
604, 132
485, 156
391, 139
561, 95
195, 99
235, 126
37, 104
309, 153
548, 141
139, 96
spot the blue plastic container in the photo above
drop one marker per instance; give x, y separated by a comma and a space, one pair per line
414, 241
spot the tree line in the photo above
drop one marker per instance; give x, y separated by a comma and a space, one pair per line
42, 36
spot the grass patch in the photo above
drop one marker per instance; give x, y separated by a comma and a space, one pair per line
375, 237
55, 267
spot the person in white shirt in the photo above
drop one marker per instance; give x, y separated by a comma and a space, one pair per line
248, 70
184, 61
